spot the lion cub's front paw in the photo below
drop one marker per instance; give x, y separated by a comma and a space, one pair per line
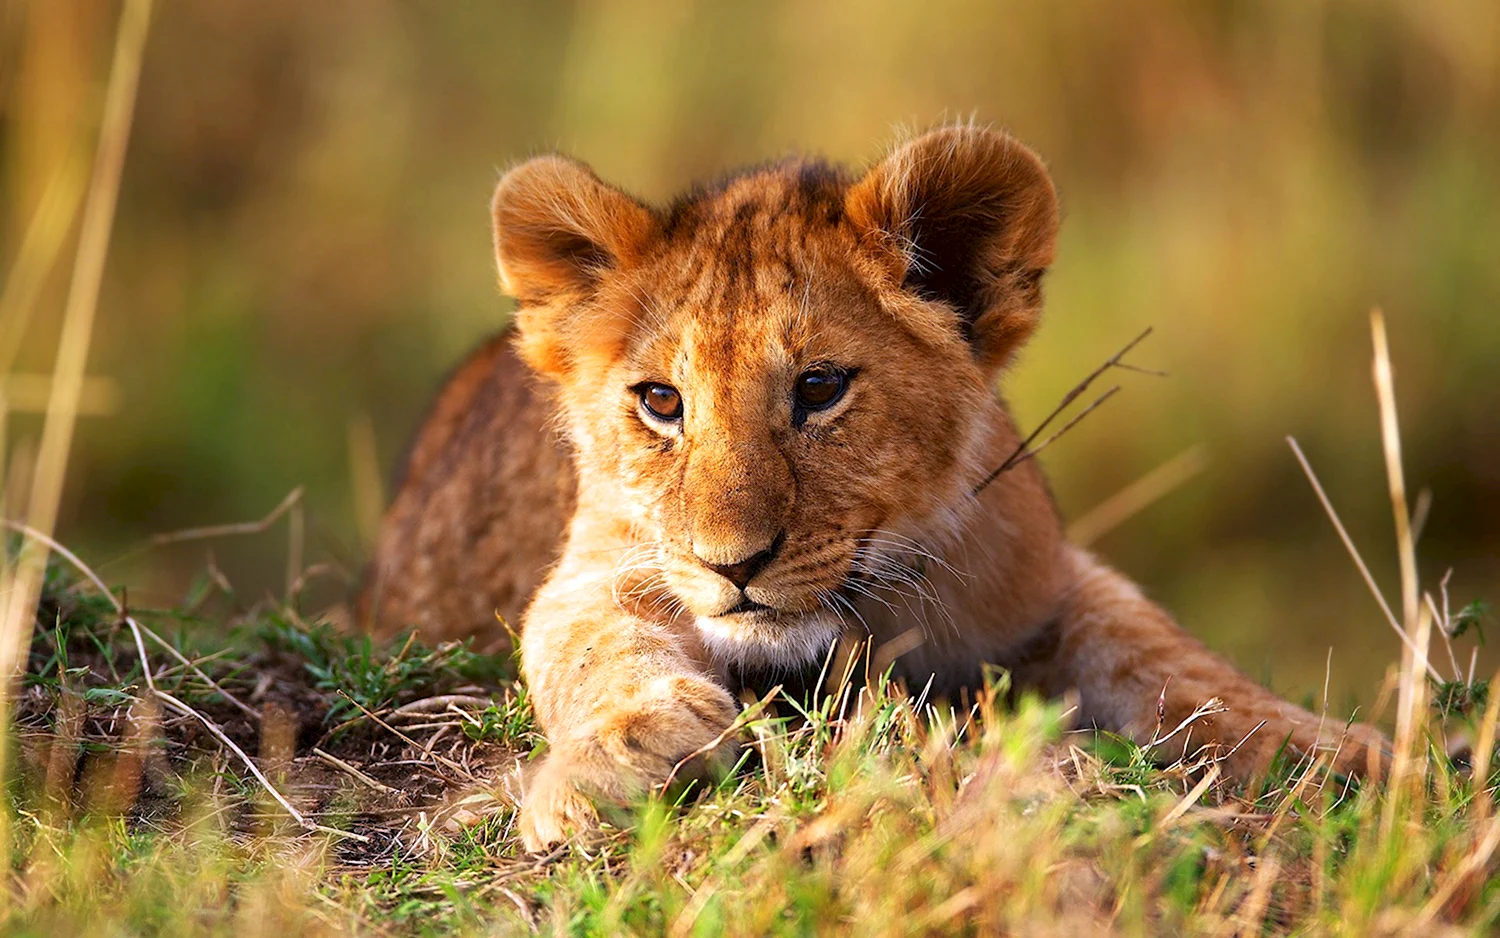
674, 729
553, 808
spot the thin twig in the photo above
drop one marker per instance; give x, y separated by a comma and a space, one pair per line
1359, 561
354, 773
183, 709
440, 703
1243, 740
240, 527
1030, 453
1458, 674
135, 626
140, 649
407, 739
1020, 454
182, 659
294, 497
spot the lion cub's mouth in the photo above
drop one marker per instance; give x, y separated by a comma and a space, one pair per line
746, 606
753, 633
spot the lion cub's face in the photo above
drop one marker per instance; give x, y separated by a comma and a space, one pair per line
779, 384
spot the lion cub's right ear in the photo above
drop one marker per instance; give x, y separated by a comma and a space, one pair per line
558, 231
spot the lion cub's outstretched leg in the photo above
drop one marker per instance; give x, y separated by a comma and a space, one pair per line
623, 700
1137, 672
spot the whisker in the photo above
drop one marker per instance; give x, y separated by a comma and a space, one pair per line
889, 574
902, 543
853, 611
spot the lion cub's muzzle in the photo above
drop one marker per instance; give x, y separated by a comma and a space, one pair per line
778, 581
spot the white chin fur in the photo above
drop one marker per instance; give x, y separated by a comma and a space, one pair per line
781, 645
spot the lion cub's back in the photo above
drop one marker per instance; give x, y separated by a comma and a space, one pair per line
481, 508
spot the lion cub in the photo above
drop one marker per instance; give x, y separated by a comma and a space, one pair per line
761, 416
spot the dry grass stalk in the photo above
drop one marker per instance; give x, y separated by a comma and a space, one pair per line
218, 733
1442, 622
135, 626
29, 393
172, 703
1138, 496
1191, 798
21, 583
1484, 747
88, 269
1390, 436
1476, 863
40, 247
234, 528
1252, 912
1359, 561
416, 746
1416, 621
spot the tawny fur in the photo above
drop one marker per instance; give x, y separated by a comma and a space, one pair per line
921, 278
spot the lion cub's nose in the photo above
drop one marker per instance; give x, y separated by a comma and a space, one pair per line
744, 571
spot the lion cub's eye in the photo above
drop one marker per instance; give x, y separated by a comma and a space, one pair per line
661, 400
818, 388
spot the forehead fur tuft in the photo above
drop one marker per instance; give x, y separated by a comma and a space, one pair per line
809, 187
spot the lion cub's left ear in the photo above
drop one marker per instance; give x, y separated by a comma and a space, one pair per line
968, 217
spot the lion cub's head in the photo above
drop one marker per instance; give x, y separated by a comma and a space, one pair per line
781, 383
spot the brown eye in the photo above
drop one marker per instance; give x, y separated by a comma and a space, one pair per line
661, 400
820, 387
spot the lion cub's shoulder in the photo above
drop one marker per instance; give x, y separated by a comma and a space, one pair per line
481, 503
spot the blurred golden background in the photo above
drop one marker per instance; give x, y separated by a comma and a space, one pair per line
302, 249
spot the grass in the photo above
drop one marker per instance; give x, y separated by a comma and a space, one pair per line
855, 813
260, 773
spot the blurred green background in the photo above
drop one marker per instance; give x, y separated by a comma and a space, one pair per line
302, 249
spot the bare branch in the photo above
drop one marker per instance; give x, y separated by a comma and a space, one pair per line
1023, 451
224, 530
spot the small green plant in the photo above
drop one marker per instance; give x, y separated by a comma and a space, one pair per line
363, 674
510, 721
1460, 698
1473, 616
